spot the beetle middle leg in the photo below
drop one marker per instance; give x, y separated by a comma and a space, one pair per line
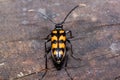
72, 51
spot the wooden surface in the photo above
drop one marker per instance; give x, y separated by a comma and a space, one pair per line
96, 30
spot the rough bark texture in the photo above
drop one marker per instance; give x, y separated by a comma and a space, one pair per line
96, 30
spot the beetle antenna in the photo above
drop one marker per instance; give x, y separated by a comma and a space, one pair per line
48, 18
69, 14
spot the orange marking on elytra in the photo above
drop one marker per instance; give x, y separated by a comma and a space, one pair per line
61, 52
62, 38
54, 45
61, 31
54, 31
54, 38
61, 45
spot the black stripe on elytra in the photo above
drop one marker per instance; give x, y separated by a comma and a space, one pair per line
58, 35
54, 41
62, 41
58, 49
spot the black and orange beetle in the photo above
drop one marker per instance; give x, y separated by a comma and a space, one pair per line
58, 48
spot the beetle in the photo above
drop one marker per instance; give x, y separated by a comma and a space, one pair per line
59, 27
58, 38
58, 48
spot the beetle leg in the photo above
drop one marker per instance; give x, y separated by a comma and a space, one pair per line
45, 67
47, 50
46, 53
70, 33
48, 36
66, 60
72, 51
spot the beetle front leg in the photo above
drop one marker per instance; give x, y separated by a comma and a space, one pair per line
48, 36
70, 33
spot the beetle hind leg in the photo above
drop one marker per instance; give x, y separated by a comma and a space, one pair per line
66, 60
72, 51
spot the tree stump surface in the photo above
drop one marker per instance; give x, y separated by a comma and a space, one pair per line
95, 26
